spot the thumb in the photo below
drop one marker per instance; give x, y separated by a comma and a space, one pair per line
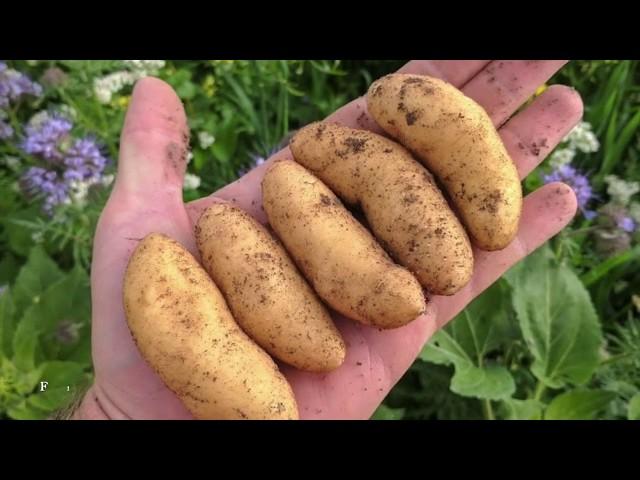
153, 144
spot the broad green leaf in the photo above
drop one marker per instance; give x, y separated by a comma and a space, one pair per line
9, 268
557, 320
19, 236
465, 342
34, 278
226, 141
634, 407
492, 382
24, 411
443, 349
60, 302
387, 413
63, 379
523, 409
578, 405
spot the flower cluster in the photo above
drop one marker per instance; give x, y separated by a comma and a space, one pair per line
205, 139
618, 220
578, 182
13, 86
580, 139
69, 166
105, 87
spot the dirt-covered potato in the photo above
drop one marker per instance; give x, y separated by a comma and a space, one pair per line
455, 138
340, 258
404, 208
267, 295
185, 331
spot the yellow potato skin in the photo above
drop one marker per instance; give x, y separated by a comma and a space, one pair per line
404, 208
185, 331
344, 263
456, 140
267, 295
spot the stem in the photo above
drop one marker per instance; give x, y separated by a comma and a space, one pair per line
540, 389
487, 409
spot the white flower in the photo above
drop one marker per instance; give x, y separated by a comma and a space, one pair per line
105, 87
145, 65
561, 157
620, 190
79, 189
68, 112
189, 157
191, 181
38, 119
582, 138
205, 139
107, 180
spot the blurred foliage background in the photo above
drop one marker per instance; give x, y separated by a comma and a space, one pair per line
557, 337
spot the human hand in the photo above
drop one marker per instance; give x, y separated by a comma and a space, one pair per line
147, 197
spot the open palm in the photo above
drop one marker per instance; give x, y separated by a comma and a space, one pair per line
147, 197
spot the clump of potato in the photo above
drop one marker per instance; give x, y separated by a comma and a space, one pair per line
455, 138
346, 266
400, 200
185, 331
267, 295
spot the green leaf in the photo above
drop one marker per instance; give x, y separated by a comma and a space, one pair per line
557, 320
7, 322
24, 411
62, 301
9, 268
387, 413
578, 405
466, 341
523, 409
634, 407
60, 376
35, 276
19, 237
492, 382
226, 141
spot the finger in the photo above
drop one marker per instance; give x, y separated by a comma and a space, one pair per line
503, 85
546, 211
154, 141
533, 133
377, 359
456, 72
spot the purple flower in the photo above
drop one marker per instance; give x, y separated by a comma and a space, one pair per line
37, 181
626, 224
14, 85
44, 138
578, 182
83, 161
71, 165
5, 130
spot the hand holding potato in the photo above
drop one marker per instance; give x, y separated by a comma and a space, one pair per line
147, 198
